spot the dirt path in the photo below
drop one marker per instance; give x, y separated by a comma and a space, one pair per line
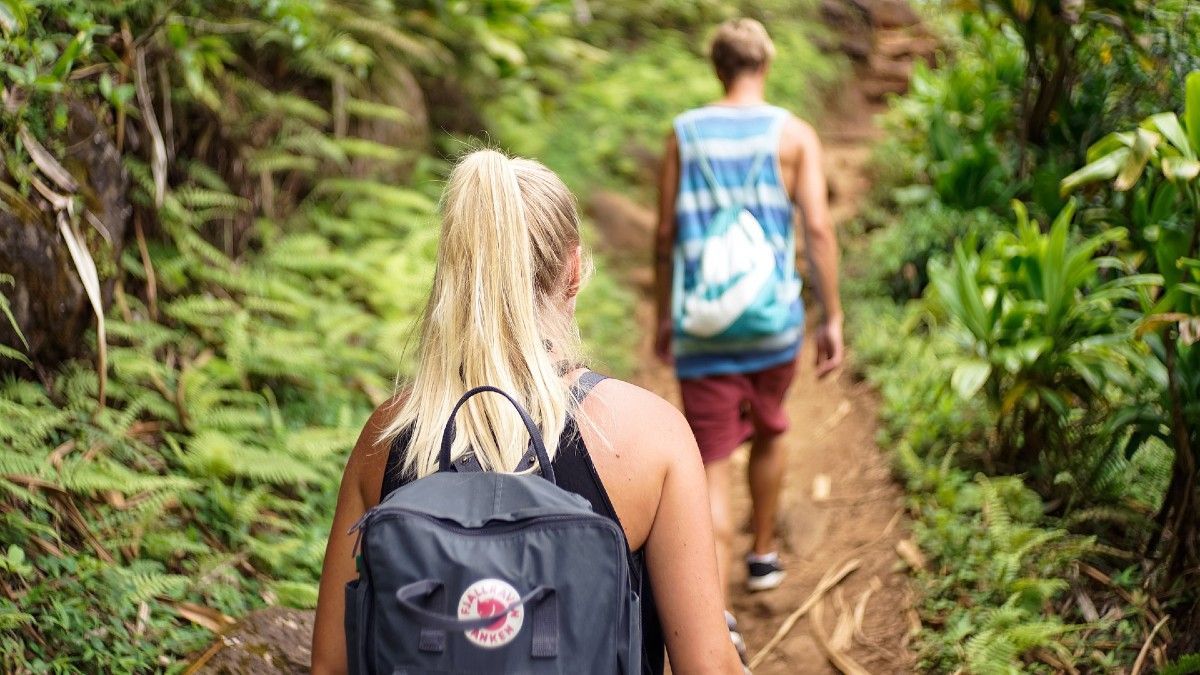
860, 516
832, 439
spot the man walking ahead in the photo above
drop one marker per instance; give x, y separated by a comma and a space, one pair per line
729, 309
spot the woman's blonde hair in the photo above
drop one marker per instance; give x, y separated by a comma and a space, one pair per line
499, 313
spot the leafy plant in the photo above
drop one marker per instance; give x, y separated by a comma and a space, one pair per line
998, 593
1161, 160
953, 125
1039, 328
899, 254
1045, 341
285, 222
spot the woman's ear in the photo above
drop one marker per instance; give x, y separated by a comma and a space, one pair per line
574, 272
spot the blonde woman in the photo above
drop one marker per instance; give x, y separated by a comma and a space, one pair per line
501, 312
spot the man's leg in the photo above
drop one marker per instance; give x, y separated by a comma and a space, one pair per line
718, 498
768, 464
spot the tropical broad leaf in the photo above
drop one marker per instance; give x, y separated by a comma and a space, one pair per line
969, 377
1105, 168
1168, 125
1104, 146
1192, 108
1180, 168
1143, 147
12, 15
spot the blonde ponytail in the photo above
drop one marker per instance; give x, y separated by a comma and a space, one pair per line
499, 313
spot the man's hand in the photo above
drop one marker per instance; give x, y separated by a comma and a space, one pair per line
830, 348
662, 341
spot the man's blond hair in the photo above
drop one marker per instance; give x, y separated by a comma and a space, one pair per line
740, 46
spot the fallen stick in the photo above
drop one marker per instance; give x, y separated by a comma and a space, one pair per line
827, 582
837, 657
205, 657
1141, 657
860, 611
834, 419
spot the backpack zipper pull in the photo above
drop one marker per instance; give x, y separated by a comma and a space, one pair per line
358, 527
362, 520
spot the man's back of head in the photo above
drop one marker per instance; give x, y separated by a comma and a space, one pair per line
740, 47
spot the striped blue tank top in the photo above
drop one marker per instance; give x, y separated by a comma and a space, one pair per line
739, 143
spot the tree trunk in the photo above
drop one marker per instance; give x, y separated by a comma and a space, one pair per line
1050, 91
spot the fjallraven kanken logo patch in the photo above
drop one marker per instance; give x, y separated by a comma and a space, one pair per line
486, 598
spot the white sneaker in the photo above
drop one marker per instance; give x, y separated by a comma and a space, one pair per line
763, 573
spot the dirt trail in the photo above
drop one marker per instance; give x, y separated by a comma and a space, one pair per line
832, 437
834, 424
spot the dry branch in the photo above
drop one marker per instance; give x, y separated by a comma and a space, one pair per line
1141, 657
827, 582
837, 657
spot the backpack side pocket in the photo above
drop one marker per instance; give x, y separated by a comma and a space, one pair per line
356, 627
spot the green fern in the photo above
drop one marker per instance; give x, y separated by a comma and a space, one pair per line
142, 582
11, 618
1184, 665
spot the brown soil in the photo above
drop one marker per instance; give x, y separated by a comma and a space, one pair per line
834, 422
275, 641
832, 436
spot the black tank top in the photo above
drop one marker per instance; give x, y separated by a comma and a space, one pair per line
574, 472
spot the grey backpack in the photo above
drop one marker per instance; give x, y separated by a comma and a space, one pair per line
485, 572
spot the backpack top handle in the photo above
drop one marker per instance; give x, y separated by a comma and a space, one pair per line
535, 436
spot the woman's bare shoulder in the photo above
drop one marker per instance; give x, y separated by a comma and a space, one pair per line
632, 417
368, 459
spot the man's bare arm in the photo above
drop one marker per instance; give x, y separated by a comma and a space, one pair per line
812, 196
664, 243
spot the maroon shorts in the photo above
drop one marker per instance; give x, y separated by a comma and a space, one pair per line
725, 411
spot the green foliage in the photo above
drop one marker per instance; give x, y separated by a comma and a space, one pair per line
289, 250
1045, 342
610, 128
1027, 354
900, 253
952, 131
1017, 95
1160, 163
1185, 665
998, 592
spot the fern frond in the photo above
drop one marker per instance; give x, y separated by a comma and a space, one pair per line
139, 583
362, 148
298, 594
274, 160
425, 51
396, 197
379, 111
213, 202
167, 545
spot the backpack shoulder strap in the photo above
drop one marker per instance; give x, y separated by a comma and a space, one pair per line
756, 166
583, 386
774, 127
586, 382
710, 177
